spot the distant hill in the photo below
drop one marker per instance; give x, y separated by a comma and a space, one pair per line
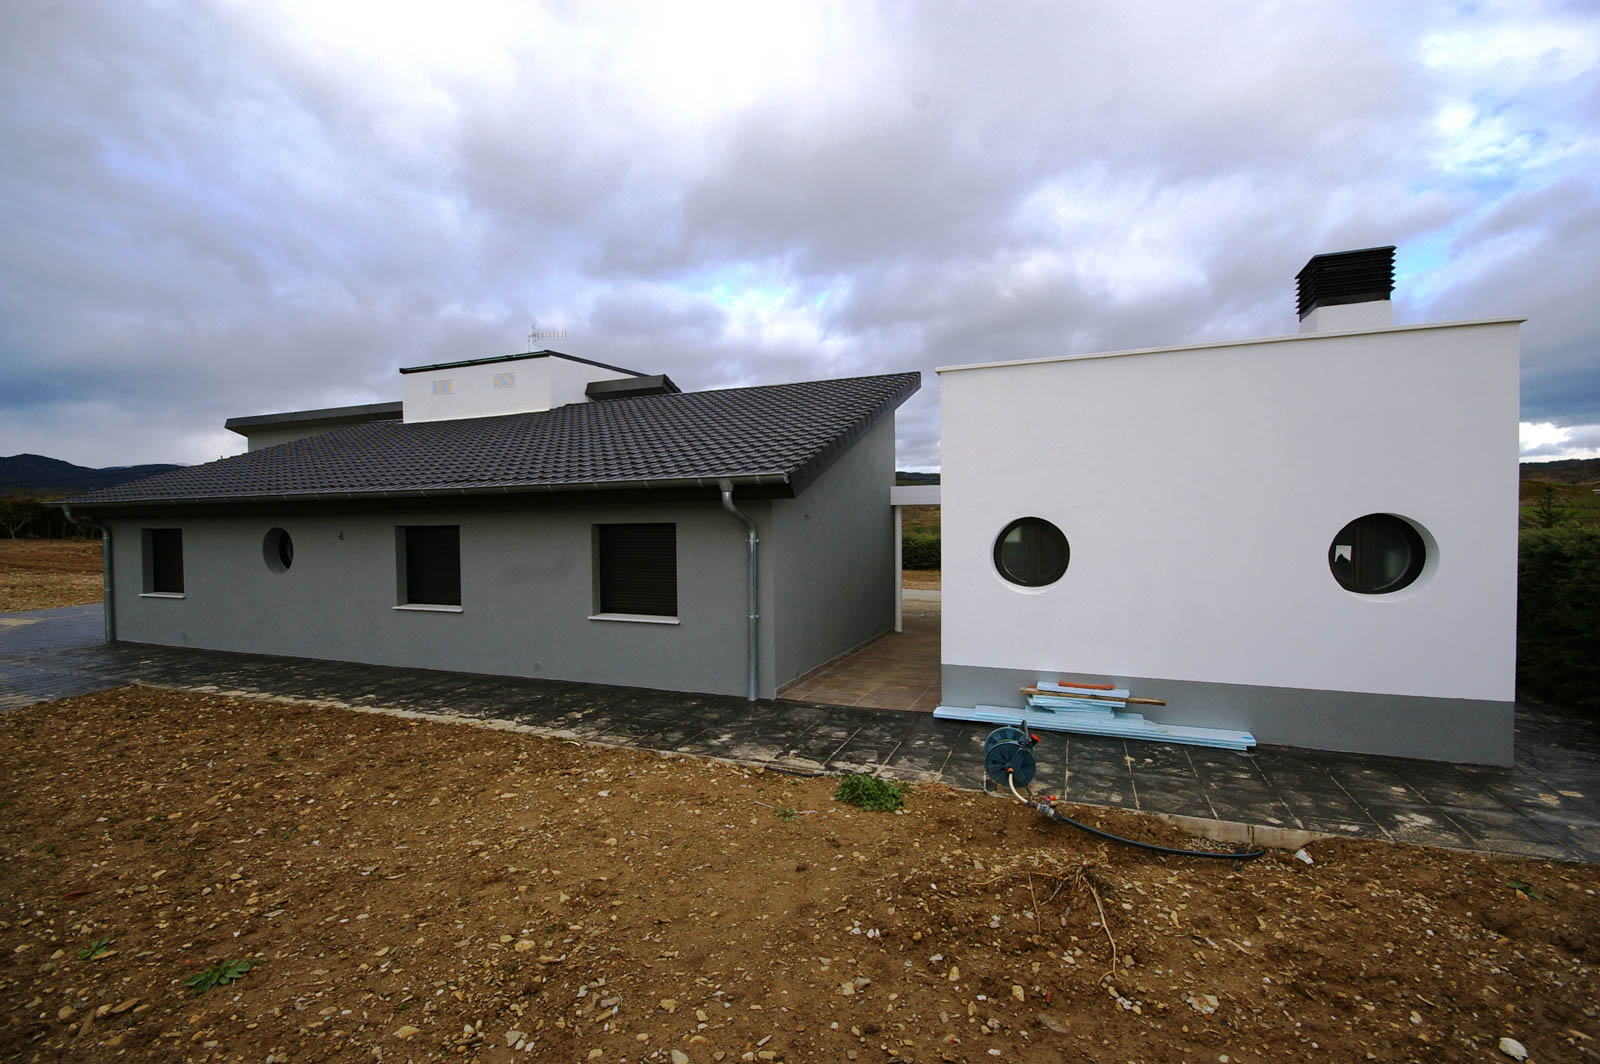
34, 474
902, 477
1566, 471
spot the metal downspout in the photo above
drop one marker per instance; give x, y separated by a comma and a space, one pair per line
110, 609
754, 540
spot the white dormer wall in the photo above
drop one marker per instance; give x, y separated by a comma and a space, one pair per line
507, 386
568, 379
1349, 317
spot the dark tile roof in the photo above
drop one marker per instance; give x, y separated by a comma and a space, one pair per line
783, 432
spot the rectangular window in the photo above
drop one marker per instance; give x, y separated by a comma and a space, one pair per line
430, 564
637, 569
163, 561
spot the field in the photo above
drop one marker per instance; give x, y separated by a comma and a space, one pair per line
417, 890
1570, 502
37, 574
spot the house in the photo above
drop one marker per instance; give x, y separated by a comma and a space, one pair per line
532, 515
1311, 537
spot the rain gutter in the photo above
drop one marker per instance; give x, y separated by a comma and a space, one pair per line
743, 479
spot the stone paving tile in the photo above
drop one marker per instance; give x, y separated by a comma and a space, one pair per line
867, 751
1173, 795
1493, 825
1420, 823
1160, 758
924, 749
1307, 804
812, 748
1089, 750
1095, 793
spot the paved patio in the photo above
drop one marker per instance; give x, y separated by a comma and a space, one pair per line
898, 670
1546, 805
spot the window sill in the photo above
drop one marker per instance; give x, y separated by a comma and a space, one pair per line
162, 594
633, 618
425, 607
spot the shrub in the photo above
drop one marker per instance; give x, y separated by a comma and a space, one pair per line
1558, 614
870, 792
919, 550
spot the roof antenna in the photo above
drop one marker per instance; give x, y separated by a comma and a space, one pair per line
537, 335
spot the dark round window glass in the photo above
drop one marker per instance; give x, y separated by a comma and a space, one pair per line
278, 550
1031, 552
1376, 554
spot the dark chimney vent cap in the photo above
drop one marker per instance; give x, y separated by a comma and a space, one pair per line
1362, 276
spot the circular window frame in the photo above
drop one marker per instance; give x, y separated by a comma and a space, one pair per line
1420, 543
1032, 580
277, 550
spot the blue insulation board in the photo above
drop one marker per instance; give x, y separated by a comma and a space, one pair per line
1087, 705
1116, 724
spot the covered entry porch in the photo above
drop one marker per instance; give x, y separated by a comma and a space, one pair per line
898, 670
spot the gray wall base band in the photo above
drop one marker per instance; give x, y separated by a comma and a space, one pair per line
1437, 729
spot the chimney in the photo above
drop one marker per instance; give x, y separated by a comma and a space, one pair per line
1343, 291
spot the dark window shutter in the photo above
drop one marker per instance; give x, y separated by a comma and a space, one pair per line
639, 569
166, 560
433, 564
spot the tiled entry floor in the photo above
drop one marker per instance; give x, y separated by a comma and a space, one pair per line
899, 670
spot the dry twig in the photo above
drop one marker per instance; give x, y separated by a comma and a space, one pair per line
1104, 924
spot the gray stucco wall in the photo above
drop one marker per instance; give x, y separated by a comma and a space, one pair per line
833, 558
527, 590
1445, 729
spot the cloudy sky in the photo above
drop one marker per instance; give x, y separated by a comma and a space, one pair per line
217, 209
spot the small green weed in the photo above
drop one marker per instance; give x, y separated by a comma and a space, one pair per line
217, 975
870, 792
1525, 888
785, 813
95, 949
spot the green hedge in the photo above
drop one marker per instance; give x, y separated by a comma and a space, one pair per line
919, 550
1558, 614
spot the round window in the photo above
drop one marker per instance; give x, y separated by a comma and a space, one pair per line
1031, 552
278, 550
1377, 554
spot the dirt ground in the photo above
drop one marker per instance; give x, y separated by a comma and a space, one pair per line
417, 890
922, 579
38, 574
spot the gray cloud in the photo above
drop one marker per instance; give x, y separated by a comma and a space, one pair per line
214, 211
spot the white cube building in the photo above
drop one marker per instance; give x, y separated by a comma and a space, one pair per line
1312, 537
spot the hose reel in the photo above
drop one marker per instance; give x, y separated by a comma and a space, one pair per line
1008, 756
